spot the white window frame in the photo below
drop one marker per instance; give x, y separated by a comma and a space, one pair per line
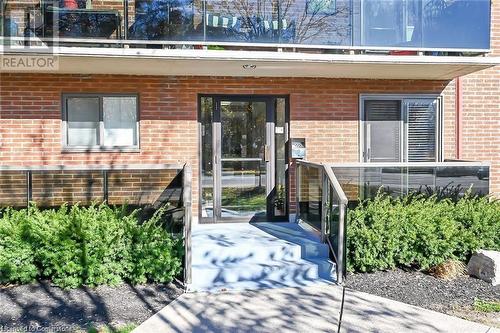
404, 128
100, 147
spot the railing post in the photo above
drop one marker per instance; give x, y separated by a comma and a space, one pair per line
341, 244
125, 19
297, 190
29, 188
105, 185
186, 197
324, 204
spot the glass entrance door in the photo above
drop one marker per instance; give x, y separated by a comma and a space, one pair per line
243, 171
243, 164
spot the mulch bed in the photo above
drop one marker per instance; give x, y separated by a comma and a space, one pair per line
43, 307
454, 297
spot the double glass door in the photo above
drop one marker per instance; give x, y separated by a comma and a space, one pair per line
243, 158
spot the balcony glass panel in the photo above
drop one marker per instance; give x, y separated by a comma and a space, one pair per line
390, 23
460, 24
423, 23
63, 18
310, 195
165, 20
444, 179
244, 21
317, 22
456, 24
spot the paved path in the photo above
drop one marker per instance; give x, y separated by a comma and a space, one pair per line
308, 309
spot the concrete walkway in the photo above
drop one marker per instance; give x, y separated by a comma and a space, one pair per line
307, 309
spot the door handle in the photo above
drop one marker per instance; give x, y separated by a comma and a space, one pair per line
266, 153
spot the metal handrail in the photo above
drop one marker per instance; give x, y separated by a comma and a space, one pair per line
407, 164
278, 46
187, 200
90, 167
335, 183
329, 178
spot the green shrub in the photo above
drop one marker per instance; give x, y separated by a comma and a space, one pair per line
154, 255
16, 254
421, 231
94, 245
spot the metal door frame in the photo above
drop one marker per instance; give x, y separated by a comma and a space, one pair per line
270, 101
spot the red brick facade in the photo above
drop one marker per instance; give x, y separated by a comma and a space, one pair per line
324, 111
480, 131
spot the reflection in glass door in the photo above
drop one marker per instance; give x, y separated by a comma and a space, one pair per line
243, 162
242, 159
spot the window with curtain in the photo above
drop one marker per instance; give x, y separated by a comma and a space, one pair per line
401, 129
100, 121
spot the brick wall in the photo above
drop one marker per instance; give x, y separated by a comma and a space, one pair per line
13, 188
53, 188
138, 187
324, 111
480, 112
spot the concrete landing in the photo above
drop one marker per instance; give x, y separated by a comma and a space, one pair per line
243, 256
306, 309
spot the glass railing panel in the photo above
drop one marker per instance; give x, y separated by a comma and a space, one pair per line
317, 22
63, 19
420, 179
456, 24
463, 178
14, 20
364, 182
390, 23
462, 24
310, 195
244, 21
165, 20
333, 219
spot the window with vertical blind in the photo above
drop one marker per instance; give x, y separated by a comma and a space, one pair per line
400, 128
100, 121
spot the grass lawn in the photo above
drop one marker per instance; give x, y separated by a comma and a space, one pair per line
109, 329
241, 199
486, 305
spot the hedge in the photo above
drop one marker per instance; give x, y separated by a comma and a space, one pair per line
74, 246
419, 231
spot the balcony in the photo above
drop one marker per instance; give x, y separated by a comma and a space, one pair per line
314, 38
432, 25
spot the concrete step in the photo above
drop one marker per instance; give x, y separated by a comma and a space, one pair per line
266, 241
277, 273
258, 251
246, 253
261, 255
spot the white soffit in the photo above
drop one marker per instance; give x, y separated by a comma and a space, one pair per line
73, 60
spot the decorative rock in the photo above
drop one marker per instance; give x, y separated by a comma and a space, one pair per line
485, 265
